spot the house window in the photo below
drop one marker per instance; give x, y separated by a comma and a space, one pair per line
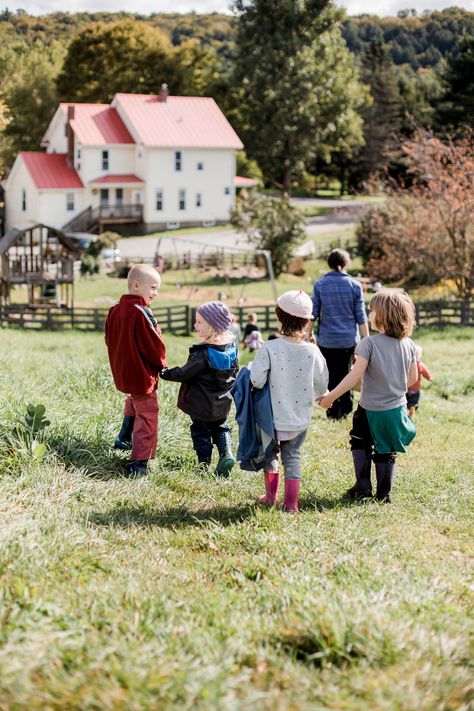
159, 199
177, 160
226, 191
23, 200
200, 166
105, 160
182, 199
119, 196
104, 196
69, 202
198, 199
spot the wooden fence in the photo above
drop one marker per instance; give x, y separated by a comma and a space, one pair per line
179, 319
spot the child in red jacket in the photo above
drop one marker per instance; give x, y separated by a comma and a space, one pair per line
413, 392
137, 354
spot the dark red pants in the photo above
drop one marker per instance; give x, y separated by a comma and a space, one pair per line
144, 408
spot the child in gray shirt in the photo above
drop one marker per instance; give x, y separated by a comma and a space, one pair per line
387, 365
297, 376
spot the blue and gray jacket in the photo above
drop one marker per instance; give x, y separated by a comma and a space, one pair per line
206, 378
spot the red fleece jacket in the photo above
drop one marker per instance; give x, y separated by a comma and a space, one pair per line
136, 350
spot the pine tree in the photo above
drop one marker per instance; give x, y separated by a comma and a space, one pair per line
382, 119
456, 107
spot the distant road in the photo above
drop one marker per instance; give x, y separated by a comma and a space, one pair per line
197, 242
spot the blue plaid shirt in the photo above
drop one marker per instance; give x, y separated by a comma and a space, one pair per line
338, 306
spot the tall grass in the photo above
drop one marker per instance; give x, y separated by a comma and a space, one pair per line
178, 592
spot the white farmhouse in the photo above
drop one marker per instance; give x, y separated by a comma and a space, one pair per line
140, 164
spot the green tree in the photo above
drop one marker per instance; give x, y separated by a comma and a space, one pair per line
30, 99
295, 88
270, 224
457, 104
382, 119
104, 59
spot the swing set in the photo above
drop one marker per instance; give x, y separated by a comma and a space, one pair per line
191, 263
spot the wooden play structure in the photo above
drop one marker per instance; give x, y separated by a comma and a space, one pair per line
40, 258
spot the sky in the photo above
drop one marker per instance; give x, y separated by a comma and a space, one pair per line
353, 7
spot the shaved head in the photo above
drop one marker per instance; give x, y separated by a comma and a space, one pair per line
142, 273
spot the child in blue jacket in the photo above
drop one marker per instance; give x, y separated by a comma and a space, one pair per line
207, 378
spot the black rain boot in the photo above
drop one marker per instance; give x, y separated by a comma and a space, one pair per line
362, 489
138, 467
123, 440
384, 472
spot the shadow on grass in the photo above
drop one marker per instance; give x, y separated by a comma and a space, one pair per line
96, 459
319, 503
176, 517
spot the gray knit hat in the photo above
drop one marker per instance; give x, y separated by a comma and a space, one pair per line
216, 314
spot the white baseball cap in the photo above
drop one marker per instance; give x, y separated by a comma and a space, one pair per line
296, 303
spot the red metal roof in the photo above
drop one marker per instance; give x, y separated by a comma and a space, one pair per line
50, 170
180, 121
118, 179
98, 125
242, 182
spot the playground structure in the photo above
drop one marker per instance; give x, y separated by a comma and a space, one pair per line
192, 258
40, 258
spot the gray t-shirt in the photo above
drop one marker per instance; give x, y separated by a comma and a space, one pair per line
384, 383
297, 375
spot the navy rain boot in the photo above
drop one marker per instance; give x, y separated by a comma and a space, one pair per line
123, 440
138, 467
384, 472
362, 489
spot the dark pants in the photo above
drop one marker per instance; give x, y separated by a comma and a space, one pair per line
361, 438
204, 434
339, 363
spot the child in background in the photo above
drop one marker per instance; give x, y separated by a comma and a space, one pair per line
297, 376
249, 328
137, 355
413, 392
206, 379
254, 341
387, 365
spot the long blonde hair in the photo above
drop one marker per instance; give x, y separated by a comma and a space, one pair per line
395, 313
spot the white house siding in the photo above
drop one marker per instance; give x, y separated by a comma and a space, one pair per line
52, 207
18, 180
121, 161
210, 182
57, 138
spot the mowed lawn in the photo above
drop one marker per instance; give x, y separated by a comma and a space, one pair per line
178, 592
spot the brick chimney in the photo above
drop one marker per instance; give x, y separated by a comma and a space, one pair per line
163, 95
70, 136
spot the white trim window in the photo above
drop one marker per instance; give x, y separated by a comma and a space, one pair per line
159, 199
178, 160
70, 202
198, 199
105, 160
200, 165
182, 200
227, 191
23, 200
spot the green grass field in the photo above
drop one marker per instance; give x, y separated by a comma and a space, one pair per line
178, 592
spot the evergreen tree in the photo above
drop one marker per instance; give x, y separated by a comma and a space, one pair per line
457, 104
382, 119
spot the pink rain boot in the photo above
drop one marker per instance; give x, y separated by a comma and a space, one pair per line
272, 482
292, 489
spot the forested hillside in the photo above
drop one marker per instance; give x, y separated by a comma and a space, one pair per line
90, 56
